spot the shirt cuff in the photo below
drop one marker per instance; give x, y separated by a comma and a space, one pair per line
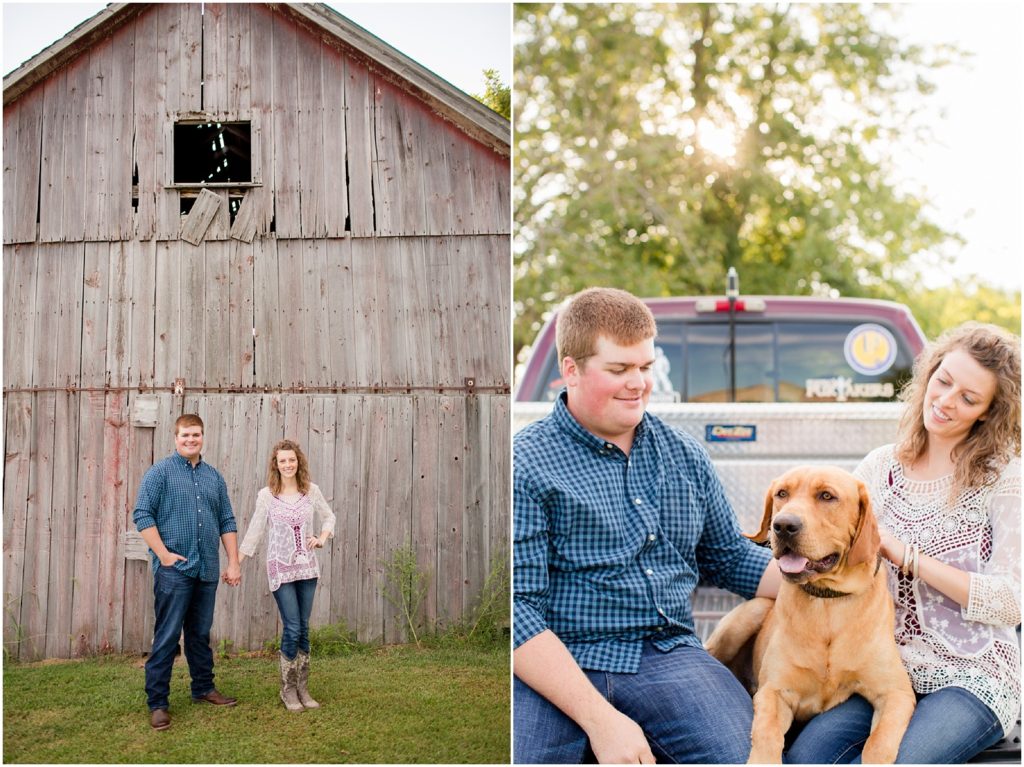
143, 521
527, 622
750, 572
991, 600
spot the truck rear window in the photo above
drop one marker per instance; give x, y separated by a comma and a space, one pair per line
776, 361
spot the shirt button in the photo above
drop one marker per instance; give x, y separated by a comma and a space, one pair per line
638, 501
649, 571
659, 628
652, 537
608, 445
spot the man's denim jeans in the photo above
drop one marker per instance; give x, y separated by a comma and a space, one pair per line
295, 601
181, 602
690, 706
949, 726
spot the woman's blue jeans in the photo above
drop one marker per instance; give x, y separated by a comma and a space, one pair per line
949, 726
295, 602
690, 706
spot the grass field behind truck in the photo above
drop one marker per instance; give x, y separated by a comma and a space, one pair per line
444, 704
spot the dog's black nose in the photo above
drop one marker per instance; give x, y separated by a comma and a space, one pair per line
787, 525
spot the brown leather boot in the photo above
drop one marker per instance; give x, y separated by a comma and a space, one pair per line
302, 680
289, 670
159, 719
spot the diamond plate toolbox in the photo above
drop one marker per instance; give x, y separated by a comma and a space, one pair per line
752, 443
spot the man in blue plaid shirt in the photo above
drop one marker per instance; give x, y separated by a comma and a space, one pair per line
616, 518
183, 514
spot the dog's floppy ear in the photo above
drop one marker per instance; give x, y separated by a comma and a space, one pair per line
866, 541
766, 522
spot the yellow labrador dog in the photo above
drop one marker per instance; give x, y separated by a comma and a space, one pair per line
830, 632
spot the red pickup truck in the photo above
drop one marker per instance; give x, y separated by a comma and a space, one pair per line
763, 349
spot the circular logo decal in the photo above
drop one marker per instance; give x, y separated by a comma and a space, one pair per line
870, 349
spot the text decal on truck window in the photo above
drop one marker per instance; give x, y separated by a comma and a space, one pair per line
842, 389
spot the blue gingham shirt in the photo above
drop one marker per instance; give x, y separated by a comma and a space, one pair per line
190, 508
609, 547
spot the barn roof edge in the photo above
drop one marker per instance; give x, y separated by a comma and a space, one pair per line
478, 120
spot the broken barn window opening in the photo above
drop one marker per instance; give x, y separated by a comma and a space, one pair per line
234, 203
135, 187
211, 152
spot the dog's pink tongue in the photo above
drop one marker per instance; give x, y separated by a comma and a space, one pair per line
791, 563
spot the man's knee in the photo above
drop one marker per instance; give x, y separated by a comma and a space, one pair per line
692, 708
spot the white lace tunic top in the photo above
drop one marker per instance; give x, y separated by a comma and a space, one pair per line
943, 644
291, 525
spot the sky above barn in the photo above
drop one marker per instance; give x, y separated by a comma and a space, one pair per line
456, 41
973, 171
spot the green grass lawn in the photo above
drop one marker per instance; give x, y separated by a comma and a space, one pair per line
446, 704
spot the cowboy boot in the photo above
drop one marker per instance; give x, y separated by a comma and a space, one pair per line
302, 680
288, 674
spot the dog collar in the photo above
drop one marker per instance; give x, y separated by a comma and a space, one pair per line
822, 592
825, 593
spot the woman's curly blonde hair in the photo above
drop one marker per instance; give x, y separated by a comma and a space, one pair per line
991, 442
274, 474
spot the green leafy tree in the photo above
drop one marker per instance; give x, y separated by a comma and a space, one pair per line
939, 309
496, 95
658, 145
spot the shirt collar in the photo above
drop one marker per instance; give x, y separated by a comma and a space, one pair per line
568, 423
185, 461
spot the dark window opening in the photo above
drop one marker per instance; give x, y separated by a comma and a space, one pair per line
186, 204
212, 153
234, 203
135, 188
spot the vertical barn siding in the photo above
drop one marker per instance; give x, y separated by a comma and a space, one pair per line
419, 469
379, 270
340, 150
397, 313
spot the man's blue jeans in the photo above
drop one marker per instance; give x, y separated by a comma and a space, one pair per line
295, 602
949, 726
690, 706
181, 602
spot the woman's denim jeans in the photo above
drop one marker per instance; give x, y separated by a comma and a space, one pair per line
690, 706
180, 602
949, 726
295, 601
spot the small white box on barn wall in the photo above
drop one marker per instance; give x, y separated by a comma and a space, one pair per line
144, 411
134, 546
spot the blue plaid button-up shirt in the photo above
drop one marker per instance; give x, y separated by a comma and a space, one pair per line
609, 547
190, 508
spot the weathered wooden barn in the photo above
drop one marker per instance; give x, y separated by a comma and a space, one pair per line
266, 215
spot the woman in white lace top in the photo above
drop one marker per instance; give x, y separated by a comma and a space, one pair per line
289, 507
947, 497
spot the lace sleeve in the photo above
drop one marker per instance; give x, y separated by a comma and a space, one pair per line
995, 590
867, 470
323, 511
257, 525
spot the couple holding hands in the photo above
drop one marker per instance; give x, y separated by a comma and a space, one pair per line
183, 513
